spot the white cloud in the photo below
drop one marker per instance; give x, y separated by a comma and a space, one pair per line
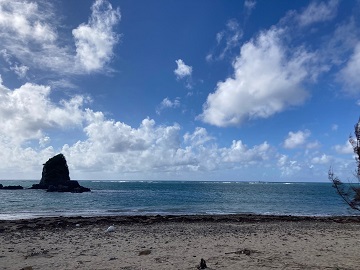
318, 12
182, 69
29, 36
117, 147
323, 159
282, 160
227, 40
267, 80
21, 19
43, 141
95, 40
111, 147
6, 56
249, 4
334, 127
349, 75
342, 43
346, 148
288, 167
296, 139
20, 70
312, 145
239, 152
27, 111
198, 137
22, 162
119, 137
167, 103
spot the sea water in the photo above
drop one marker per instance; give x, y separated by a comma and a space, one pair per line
174, 198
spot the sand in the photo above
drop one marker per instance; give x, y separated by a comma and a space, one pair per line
179, 242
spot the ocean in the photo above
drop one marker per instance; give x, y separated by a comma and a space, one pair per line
174, 198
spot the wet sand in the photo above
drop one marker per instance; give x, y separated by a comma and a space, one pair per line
179, 242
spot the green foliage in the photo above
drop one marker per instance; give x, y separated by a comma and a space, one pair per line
350, 192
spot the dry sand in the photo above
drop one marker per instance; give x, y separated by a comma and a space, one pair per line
179, 242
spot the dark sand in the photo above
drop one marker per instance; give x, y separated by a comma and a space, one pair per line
179, 242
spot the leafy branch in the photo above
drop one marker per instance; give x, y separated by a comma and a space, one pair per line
350, 192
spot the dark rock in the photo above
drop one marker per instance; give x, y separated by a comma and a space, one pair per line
202, 264
12, 187
144, 252
55, 171
55, 177
80, 189
27, 268
38, 186
1, 186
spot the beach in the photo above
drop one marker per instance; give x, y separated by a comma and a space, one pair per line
180, 242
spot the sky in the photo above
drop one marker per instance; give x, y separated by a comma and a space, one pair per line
249, 90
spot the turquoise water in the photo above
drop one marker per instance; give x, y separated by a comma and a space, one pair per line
174, 197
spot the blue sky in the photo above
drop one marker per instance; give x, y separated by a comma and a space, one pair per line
179, 90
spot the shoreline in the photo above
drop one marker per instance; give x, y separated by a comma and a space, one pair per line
179, 242
141, 219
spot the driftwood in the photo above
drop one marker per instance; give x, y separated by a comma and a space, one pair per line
245, 251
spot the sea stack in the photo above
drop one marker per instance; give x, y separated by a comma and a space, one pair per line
56, 178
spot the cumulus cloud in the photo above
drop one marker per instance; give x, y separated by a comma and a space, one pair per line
312, 145
29, 37
27, 111
198, 137
21, 19
323, 159
30, 118
318, 12
182, 69
296, 139
95, 40
272, 70
288, 167
19, 162
267, 80
345, 148
167, 103
108, 146
239, 152
116, 146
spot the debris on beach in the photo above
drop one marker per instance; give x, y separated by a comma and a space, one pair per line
27, 268
202, 264
144, 252
245, 251
110, 229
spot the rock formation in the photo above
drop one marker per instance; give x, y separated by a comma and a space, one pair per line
11, 187
55, 177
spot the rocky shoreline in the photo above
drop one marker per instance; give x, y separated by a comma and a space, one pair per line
180, 242
64, 222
